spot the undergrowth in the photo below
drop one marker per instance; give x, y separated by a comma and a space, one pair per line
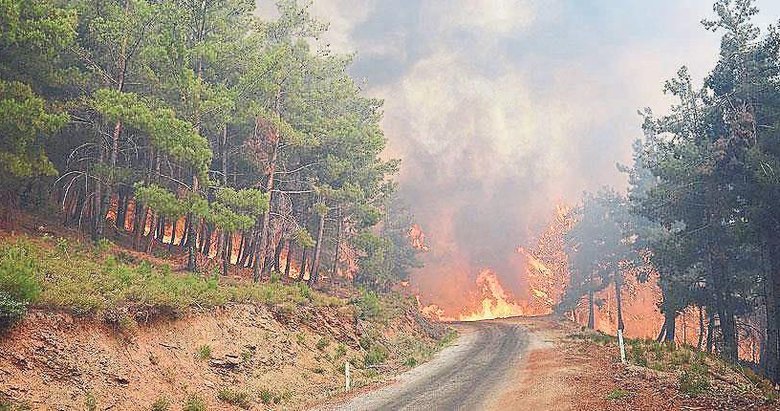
88, 280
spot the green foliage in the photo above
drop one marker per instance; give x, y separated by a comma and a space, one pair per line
24, 120
410, 362
203, 352
304, 239
90, 403
236, 397
160, 199
161, 404
694, 380
322, 343
167, 133
19, 284
269, 397
375, 355
87, 284
341, 350
194, 403
617, 394
368, 305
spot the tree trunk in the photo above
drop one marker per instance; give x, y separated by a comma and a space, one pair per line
121, 67
772, 348
121, 210
662, 332
591, 313
173, 235
729, 332
248, 247
315, 265
150, 238
192, 263
278, 255
670, 318
226, 253
335, 267
302, 270
139, 225
701, 329
288, 260
619, 298
710, 330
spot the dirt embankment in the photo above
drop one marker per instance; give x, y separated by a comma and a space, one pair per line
567, 368
253, 356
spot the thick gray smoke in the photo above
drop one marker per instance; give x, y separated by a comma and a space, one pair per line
500, 109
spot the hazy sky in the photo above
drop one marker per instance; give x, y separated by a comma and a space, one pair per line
500, 109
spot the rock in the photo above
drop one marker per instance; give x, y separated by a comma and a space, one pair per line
228, 361
208, 383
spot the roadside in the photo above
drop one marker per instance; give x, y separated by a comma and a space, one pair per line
568, 368
108, 330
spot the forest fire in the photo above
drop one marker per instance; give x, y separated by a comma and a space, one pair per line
495, 301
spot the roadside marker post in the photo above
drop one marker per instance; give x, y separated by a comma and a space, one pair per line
347, 381
622, 347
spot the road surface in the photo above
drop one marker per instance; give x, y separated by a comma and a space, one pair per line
465, 376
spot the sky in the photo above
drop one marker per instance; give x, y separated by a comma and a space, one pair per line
501, 109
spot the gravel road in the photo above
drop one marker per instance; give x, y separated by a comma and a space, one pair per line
464, 376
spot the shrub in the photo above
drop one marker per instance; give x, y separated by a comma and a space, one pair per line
694, 379
235, 397
161, 404
410, 362
341, 350
322, 343
304, 290
376, 355
368, 305
204, 352
194, 403
18, 283
617, 394
266, 396
90, 403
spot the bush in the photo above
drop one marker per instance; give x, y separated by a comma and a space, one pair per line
322, 343
694, 379
410, 362
368, 305
161, 404
341, 350
194, 403
266, 396
204, 352
235, 397
18, 283
376, 355
617, 394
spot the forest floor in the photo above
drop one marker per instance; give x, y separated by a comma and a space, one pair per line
568, 368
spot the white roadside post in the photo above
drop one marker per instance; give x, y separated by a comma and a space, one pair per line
622, 347
347, 382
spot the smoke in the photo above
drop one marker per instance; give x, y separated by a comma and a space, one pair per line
501, 109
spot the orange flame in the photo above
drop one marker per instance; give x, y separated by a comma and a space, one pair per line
495, 301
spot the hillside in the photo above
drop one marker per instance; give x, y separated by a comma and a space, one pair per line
109, 329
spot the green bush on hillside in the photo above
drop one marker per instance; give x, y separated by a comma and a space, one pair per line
18, 283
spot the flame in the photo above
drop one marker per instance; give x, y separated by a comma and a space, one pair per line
495, 301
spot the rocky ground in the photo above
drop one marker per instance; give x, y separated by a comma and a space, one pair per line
568, 368
244, 356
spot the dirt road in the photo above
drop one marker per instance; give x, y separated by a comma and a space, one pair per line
464, 376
